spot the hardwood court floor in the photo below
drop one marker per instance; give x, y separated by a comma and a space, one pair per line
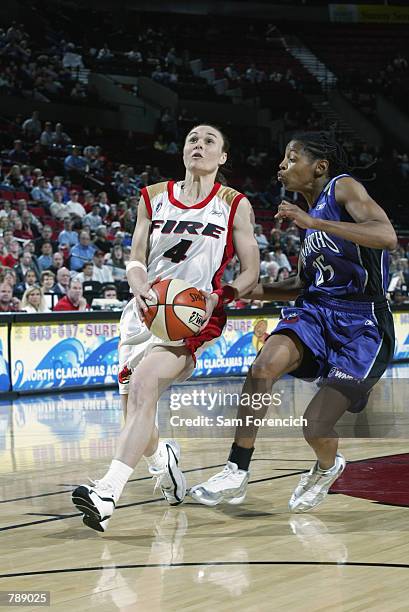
351, 553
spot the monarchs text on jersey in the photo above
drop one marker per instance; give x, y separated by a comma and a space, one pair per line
193, 243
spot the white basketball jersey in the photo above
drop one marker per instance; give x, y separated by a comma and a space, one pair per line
193, 243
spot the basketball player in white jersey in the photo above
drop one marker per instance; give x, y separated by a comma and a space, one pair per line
189, 230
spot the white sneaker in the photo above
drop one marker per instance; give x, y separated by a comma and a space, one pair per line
229, 485
313, 487
170, 477
96, 502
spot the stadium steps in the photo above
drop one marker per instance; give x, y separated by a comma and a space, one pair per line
311, 63
331, 118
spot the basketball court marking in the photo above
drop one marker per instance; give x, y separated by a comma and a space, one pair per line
204, 564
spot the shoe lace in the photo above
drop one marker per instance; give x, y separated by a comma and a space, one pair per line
100, 485
225, 473
157, 477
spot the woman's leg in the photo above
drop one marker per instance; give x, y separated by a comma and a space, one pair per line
282, 353
321, 415
156, 372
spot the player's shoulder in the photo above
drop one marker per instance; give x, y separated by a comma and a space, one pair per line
229, 195
347, 186
156, 189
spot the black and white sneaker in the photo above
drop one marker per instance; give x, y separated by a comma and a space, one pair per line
170, 477
96, 502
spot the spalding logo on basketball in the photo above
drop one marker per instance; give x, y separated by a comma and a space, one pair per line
175, 311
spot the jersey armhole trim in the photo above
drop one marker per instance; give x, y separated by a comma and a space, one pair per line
147, 200
233, 210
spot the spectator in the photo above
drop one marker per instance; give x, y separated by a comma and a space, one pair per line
86, 273
93, 219
34, 301
58, 262
73, 207
45, 261
46, 138
82, 252
13, 179
26, 264
42, 193
58, 208
68, 235
272, 272
9, 276
110, 293
283, 274
126, 189
102, 273
63, 280
101, 241
32, 126
71, 59
30, 279
280, 258
267, 258
59, 137
8, 303
74, 299
11, 259
46, 236
260, 238
17, 153
47, 283
117, 263
75, 163
105, 54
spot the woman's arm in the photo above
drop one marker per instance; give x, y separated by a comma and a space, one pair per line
372, 227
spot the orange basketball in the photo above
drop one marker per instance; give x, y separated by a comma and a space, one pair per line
175, 311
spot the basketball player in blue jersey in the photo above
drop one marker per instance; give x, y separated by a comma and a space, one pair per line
188, 229
340, 330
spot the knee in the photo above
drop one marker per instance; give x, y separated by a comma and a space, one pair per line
141, 393
262, 368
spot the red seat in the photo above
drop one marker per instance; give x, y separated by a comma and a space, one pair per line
7, 195
22, 195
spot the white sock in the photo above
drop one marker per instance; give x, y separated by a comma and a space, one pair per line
321, 471
117, 476
157, 460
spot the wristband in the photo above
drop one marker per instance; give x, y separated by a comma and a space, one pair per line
134, 264
226, 294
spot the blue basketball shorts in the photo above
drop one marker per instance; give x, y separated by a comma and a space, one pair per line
348, 345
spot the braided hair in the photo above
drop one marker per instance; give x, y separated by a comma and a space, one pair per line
320, 145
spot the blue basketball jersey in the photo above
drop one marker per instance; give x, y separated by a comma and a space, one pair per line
332, 266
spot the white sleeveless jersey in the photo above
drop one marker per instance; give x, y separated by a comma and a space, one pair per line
193, 243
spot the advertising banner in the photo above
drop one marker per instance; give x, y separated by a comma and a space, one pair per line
4, 359
235, 350
85, 353
242, 339
367, 13
401, 320
74, 353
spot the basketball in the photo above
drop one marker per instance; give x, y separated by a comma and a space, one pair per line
176, 310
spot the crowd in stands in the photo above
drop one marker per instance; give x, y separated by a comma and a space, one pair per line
67, 210
65, 238
43, 75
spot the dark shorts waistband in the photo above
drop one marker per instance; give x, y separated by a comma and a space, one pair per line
350, 306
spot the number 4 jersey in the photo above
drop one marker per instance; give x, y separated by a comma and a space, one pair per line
193, 243
339, 268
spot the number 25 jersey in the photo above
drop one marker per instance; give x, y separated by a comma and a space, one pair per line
193, 243
334, 267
